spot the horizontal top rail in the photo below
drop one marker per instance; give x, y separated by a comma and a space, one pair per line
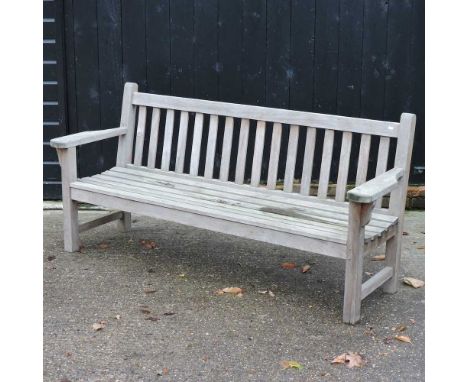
291, 117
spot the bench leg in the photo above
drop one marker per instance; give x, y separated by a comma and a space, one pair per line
125, 222
354, 265
392, 259
71, 238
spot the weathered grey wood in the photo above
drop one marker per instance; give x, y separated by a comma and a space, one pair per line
167, 147
182, 142
274, 156
376, 281
226, 153
354, 265
85, 137
291, 158
100, 221
376, 188
127, 121
398, 196
211, 146
308, 161
213, 224
140, 136
258, 154
343, 169
154, 135
363, 161
382, 160
124, 224
327, 154
196, 144
71, 239
242, 151
282, 116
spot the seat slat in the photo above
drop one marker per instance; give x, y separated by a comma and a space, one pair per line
242, 151
363, 161
343, 170
291, 158
382, 160
326, 164
258, 154
182, 142
211, 146
183, 189
168, 130
226, 153
274, 156
196, 145
153, 143
140, 136
308, 161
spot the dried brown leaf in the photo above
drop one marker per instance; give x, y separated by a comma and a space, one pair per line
152, 318
50, 258
305, 268
103, 245
149, 291
400, 328
99, 325
169, 313
404, 339
350, 359
288, 265
378, 258
145, 311
148, 244
233, 290
271, 294
291, 365
415, 283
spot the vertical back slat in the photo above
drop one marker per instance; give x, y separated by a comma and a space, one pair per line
326, 163
242, 151
127, 120
226, 153
308, 160
258, 154
196, 144
181, 142
153, 143
363, 161
274, 156
291, 158
343, 170
382, 160
168, 129
140, 136
211, 146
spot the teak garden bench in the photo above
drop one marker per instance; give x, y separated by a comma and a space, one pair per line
160, 188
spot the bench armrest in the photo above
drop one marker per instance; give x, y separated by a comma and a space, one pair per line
374, 189
84, 137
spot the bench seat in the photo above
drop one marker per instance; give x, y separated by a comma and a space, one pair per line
195, 197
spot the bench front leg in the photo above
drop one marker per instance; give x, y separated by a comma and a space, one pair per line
67, 158
359, 216
124, 224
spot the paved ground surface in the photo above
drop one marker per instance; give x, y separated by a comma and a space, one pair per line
212, 337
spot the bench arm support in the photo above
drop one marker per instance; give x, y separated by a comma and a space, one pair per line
84, 137
374, 189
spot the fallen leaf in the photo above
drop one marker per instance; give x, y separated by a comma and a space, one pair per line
68, 354
350, 359
263, 291
368, 273
305, 268
288, 265
271, 294
415, 283
145, 311
99, 325
219, 292
169, 313
163, 371
148, 244
378, 258
103, 245
291, 365
117, 317
50, 258
149, 291
232, 290
182, 275
152, 318
413, 321
400, 328
404, 339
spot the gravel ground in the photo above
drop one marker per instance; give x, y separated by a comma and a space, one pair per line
173, 327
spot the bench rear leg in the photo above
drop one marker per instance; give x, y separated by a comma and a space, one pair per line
124, 224
392, 259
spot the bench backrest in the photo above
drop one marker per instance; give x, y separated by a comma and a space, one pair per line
162, 129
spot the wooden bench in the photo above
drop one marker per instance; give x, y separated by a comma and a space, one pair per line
273, 213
